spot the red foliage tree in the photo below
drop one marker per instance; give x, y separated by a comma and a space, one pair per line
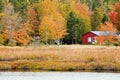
33, 22
115, 16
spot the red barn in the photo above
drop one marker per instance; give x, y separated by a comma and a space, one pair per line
96, 37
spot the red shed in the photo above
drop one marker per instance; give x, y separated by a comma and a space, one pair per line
89, 38
96, 37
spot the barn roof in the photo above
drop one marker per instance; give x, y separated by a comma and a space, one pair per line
100, 33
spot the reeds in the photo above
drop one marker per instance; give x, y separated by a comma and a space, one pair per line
64, 58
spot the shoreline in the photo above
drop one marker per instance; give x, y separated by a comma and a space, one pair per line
55, 66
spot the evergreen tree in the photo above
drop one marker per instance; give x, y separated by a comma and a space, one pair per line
97, 18
71, 22
76, 27
105, 18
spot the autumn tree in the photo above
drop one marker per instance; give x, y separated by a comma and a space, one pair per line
33, 25
21, 36
78, 23
33, 22
11, 22
64, 8
1, 11
107, 26
1, 39
110, 32
1, 6
21, 7
96, 18
82, 9
52, 26
115, 16
33, 1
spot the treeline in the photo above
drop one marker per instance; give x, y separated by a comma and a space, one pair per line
33, 22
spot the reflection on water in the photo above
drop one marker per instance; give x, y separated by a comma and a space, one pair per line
58, 76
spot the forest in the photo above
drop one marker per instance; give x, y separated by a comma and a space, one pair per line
36, 22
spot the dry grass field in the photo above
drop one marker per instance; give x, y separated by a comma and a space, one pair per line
62, 58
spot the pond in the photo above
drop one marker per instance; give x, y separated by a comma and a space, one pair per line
58, 76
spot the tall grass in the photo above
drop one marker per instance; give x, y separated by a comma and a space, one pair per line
66, 57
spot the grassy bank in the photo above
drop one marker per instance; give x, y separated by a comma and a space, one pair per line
62, 58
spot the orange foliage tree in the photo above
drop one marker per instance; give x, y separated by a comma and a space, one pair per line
13, 33
21, 36
110, 33
83, 9
107, 26
11, 21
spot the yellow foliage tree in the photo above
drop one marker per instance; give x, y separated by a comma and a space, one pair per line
47, 7
52, 29
52, 25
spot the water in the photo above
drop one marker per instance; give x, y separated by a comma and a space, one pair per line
58, 76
